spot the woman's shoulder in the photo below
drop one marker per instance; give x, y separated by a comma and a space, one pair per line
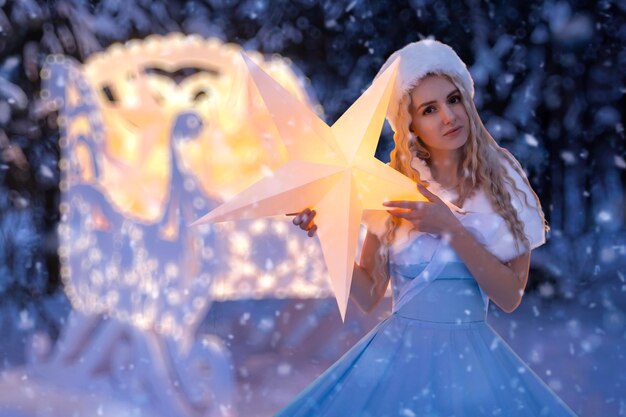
523, 199
516, 183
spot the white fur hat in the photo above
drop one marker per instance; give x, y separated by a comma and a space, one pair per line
417, 60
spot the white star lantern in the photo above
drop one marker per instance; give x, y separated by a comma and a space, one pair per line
330, 168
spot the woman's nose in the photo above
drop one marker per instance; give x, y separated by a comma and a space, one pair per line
447, 115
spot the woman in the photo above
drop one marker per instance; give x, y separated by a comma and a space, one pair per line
445, 258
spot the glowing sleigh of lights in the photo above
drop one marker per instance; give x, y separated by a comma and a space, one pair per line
153, 134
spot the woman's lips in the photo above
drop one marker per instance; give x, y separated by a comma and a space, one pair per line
453, 131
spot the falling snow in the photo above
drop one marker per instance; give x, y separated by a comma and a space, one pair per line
550, 87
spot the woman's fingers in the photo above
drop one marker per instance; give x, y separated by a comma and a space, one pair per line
304, 220
405, 214
300, 216
426, 193
411, 205
307, 221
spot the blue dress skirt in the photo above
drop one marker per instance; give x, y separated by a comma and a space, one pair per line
434, 357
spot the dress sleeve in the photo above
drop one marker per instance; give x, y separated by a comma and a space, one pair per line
491, 228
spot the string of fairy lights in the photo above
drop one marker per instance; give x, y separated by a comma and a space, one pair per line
129, 182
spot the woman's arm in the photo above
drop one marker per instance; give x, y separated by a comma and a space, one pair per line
363, 291
504, 283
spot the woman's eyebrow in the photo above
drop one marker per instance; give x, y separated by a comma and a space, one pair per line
455, 91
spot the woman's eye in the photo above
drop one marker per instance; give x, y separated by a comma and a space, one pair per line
429, 110
455, 99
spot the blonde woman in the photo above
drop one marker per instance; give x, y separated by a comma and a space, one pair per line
445, 259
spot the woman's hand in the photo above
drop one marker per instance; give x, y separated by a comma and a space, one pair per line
304, 219
432, 216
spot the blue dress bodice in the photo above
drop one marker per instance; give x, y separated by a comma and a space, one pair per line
453, 296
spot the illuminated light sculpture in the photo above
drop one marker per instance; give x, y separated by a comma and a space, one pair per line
151, 137
146, 145
332, 169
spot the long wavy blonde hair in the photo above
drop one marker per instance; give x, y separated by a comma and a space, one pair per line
480, 167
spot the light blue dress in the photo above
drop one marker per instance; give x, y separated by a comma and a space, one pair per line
435, 355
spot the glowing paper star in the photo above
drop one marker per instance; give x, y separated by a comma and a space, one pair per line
332, 169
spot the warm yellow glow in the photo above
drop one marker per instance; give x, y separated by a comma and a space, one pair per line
238, 138
332, 169
240, 243
267, 281
258, 227
119, 154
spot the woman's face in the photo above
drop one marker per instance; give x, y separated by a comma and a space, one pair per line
438, 115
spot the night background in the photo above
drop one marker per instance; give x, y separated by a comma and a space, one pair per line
550, 80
